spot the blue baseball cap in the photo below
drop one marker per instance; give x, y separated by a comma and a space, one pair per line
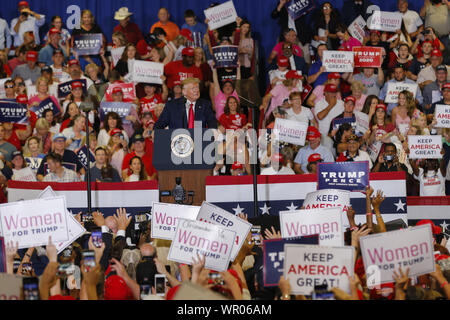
59, 136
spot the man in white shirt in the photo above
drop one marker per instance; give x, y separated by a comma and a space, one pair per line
411, 18
5, 36
277, 167
353, 153
58, 67
27, 21
58, 173
279, 75
326, 110
76, 73
428, 74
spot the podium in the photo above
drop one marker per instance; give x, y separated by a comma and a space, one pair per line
181, 153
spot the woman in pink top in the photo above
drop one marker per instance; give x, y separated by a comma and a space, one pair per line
42, 94
221, 94
290, 36
280, 93
403, 112
347, 41
357, 91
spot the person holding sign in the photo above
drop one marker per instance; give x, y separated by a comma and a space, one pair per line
431, 177
133, 117
125, 64
21, 172
111, 122
347, 41
42, 95
432, 93
353, 153
445, 96
222, 91
299, 113
75, 134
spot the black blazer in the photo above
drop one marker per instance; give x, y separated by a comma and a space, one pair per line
174, 115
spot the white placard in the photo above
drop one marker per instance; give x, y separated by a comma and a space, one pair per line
394, 88
442, 114
306, 266
290, 131
10, 286
362, 122
321, 32
31, 222
356, 28
116, 54
24, 174
338, 61
197, 237
385, 21
147, 71
327, 198
165, 218
425, 147
327, 223
408, 248
215, 215
221, 15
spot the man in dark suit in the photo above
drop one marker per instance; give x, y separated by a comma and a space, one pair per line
182, 112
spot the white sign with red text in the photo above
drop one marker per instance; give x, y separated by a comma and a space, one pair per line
327, 198
221, 15
442, 115
407, 248
327, 223
165, 218
147, 72
307, 266
290, 131
425, 147
197, 238
338, 61
215, 215
31, 222
356, 28
394, 89
385, 21
128, 89
10, 286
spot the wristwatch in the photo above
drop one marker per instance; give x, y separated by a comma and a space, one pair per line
285, 297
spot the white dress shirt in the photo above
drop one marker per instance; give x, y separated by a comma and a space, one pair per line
31, 24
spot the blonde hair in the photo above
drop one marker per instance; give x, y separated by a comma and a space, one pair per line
358, 85
26, 149
87, 11
288, 82
39, 80
41, 123
189, 81
91, 65
203, 53
119, 35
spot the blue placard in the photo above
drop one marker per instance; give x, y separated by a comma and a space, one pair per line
88, 44
338, 122
274, 257
64, 89
123, 109
2, 255
13, 112
226, 56
82, 156
298, 8
351, 176
45, 105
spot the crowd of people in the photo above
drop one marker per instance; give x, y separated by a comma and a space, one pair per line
47, 147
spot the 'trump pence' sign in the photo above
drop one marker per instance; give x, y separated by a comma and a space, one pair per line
442, 115
327, 198
215, 215
221, 15
31, 222
197, 237
290, 131
425, 147
408, 248
165, 218
148, 72
226, 56
351, 176
298, 8
327, 223
338, 61
308, 266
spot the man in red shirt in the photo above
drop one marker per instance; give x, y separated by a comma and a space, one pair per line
182, 69
143, 152
129, 29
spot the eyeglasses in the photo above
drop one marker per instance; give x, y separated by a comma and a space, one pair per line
9, 86
20, 84
326, 7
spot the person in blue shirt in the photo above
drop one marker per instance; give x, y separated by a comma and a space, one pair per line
198, 29
46, 53
317, 74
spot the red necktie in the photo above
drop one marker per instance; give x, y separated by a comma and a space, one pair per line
191, 116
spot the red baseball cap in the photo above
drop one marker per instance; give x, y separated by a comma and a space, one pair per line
330, 88
436, 53
277, 157
434, 229
76, 84
115, 131
23, 4
313, 133
382, 106
53, 31
237, 165
61, 297
350, 98
117, 90
293, 74
283, 61
315, 157
73, 62
446, 86
188, 52
22, 98
117, 289
186, 33
32, 56
334, 75
376, 31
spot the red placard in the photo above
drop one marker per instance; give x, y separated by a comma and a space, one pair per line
129, 91
367, 57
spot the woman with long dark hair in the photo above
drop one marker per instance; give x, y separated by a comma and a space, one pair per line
326, 23
125, 64
112, 121
232, 117
137, 170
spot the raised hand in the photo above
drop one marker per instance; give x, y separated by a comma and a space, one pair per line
272, 235
121, 218
378, 199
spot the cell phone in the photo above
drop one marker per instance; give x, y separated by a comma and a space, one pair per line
30, 288
256, 235
97, 238
146, 289
67, 252
160, 284
65, 269
216, 278
321, 293
27, 267
88, 257
16, 265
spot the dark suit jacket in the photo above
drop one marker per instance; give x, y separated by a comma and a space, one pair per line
174, 115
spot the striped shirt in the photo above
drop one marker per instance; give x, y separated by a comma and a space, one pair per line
68, 176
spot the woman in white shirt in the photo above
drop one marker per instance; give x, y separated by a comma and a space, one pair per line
117, 149
431, 177
21, 172
75, 135
137, 169
299, 113
112, 121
